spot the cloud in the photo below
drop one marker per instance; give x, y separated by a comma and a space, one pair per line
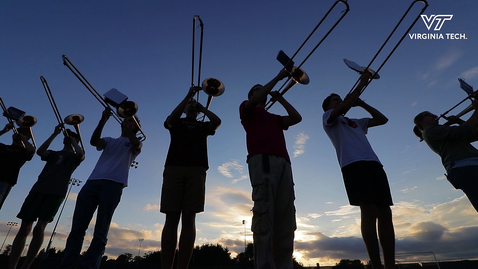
408, 171
343, 211
470, 73
449, 230
229, 169
324, 248
429, 238
407, 190
299, 145
447, 60
427, 231
418, 228
314, 215
227, 206
441, 64
123, 240
150, 207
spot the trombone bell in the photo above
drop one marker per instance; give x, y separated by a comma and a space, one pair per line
213, 87
124, 108
360, 69
74, 119
299, 76
127, 109
27, 121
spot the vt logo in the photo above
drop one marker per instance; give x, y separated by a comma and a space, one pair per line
439, 19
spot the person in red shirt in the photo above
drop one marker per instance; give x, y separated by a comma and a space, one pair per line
273, 221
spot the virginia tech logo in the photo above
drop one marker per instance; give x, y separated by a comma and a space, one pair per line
438, 19
434, 24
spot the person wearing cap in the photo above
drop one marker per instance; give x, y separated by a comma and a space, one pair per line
453, 144
365, 180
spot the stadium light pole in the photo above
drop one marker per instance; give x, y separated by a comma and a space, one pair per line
11, 224
140, 242
73, 182
245, 245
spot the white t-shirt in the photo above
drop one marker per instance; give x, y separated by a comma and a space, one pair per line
349, 140
115, 160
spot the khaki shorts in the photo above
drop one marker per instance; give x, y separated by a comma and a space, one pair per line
184, 189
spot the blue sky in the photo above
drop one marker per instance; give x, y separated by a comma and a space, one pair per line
143, 48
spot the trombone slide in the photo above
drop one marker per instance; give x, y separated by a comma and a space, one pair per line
14, 114
121, 111
396, 45
211, 86
287, 62
465, 111
73, 119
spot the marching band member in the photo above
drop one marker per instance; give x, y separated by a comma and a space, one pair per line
101, 191
273, 221
46, 195
365, 180
453, 144
12, 158
184, 177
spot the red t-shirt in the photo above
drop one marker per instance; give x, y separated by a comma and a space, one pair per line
264, 132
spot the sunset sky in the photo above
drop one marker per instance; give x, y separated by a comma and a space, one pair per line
143, 48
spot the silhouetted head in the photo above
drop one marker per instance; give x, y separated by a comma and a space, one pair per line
329, 100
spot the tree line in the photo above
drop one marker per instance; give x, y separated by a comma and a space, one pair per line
204, 256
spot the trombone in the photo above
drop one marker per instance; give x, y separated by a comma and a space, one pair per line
211, 86
298, 75
73, 119
471, 95
375, 73
123, 109
22, 120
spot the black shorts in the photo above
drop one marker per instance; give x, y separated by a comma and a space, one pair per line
366, 183
42, 206
184, 189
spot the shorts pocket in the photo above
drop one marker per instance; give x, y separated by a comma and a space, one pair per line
257, 190
260, 221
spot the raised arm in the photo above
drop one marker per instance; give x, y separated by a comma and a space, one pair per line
262, 93
351, 99
7, 128
26, 144
473, 120
214, 120
80, 154
43, 149
129, 130
377, 117
96, 140
293, 116
178, 111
